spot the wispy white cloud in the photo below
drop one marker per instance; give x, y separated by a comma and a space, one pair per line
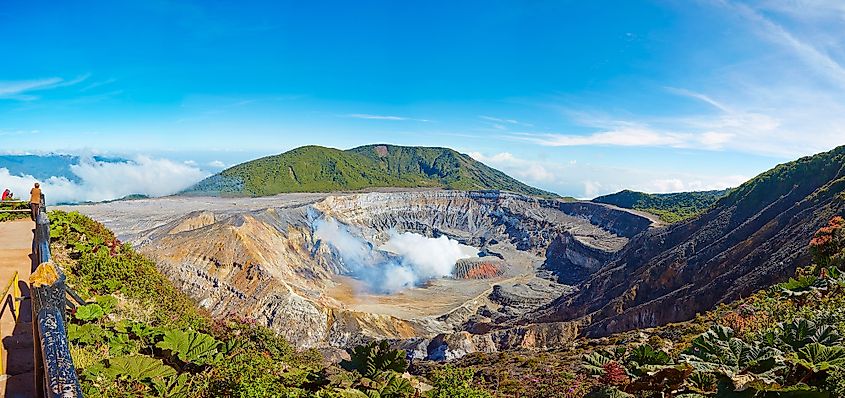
21, 89
10, 88
766, 120
368, 116
699, 96
813, 57
646, 183
502, 123
98, 84
521, 169
631, 134
806, 9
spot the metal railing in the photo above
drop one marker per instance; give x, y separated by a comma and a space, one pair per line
55, 374
14, 206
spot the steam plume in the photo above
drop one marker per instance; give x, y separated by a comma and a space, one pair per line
404, 261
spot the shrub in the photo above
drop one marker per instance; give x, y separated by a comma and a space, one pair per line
374, 358
451, 382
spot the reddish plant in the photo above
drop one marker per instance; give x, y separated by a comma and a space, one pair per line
828, 241
614, 374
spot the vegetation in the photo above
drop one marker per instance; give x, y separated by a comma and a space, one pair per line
811, 178
320, 169
670, 207
10, 205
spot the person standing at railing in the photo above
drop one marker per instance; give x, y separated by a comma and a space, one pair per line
35, 200
7, 195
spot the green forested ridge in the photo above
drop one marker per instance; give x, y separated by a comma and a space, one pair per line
671, 207
320, 169
799, 175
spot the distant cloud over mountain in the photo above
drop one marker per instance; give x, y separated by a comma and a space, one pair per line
66, 178
586, 180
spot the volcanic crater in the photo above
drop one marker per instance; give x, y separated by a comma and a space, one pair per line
266, 258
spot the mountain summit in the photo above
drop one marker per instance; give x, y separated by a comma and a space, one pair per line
321, 169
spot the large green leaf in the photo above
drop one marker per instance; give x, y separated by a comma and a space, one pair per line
827, 335
191, 347
89, 312
798, 287
108, 303
743, 364
120, 343
172, 386
817, 358
340, 393
387, 385
647, 355
373, 358
594, 363
800, 332
644, 359
396, 387
89, 333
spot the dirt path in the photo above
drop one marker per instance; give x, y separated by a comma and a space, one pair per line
16, 379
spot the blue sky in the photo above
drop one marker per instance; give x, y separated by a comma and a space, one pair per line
582, 98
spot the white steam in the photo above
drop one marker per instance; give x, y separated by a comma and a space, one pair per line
108, 180
404, 261
430, 257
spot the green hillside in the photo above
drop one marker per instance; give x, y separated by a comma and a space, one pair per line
671, 207
320, 169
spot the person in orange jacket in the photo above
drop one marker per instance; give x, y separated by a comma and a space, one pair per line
35, 200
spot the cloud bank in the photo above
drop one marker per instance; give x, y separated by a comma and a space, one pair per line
404, 261
588, 181
101, 180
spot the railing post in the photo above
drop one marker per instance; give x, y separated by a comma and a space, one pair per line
41, 243
55, 373
58, 374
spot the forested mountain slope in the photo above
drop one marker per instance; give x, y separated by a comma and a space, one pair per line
671, 207
320, 169
755, 236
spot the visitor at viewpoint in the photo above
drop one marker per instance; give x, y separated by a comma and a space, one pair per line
35, 200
